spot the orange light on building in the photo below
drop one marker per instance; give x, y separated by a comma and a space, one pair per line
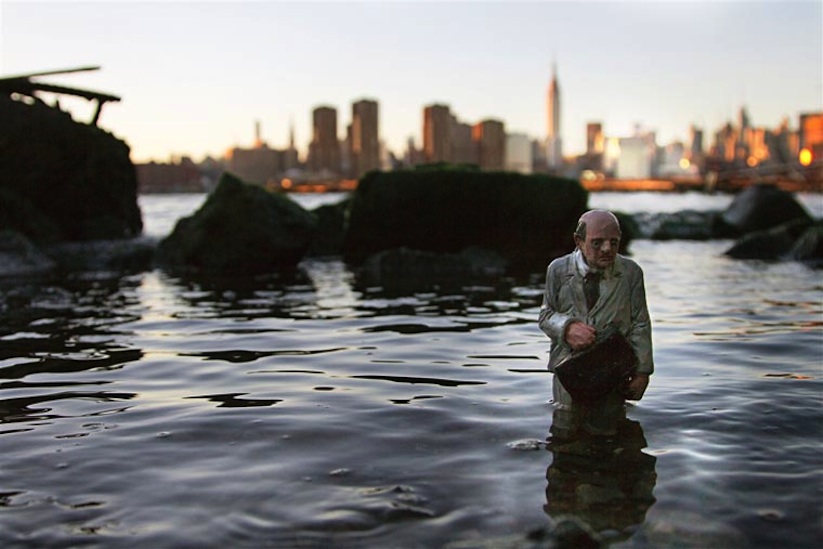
286, 183
751, 162
805, 157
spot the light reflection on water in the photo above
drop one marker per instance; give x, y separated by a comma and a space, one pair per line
151, 411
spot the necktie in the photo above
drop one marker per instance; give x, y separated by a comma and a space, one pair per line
591, 287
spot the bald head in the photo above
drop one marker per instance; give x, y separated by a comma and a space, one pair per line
601, 219
598, 238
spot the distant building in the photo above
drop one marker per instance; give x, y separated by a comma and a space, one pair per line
324, 149
554, 141
412, 156
519, 157
181, 175
260, 164
364, 145
811, 135
437, 133
595, 142
489, 137
695, 153
636, 156
463, 148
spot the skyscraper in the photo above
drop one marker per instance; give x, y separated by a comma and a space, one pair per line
324, 149
437, 133
364, 142
595, 143
490, 139
554, 143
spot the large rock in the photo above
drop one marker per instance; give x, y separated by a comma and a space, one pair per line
771, 244
241, 229
762, 207
76, 181
331, 222
527, 219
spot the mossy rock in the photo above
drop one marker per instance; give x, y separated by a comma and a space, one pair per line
241, 229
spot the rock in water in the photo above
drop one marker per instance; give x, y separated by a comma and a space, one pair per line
762, 207
527, 219
77, 180
241, 229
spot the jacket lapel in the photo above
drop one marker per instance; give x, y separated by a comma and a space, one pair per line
608, 288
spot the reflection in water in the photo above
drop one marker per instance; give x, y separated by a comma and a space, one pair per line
606, 482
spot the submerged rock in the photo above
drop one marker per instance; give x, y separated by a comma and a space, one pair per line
415, 270
682, 225
241, 229
809, 247
20, 258
772, 244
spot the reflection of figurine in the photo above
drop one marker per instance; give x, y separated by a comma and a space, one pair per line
605, 482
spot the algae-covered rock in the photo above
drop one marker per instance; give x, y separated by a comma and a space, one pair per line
76, 179
527, 219
241, 229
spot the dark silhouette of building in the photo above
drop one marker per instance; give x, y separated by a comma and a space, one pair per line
437, 133
489, 137
324, 149
364, 141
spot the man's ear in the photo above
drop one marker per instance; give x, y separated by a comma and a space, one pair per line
578, 242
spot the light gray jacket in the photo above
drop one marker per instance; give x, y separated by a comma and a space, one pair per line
622, 302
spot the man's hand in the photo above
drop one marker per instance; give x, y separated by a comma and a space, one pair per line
637, 386
580, 335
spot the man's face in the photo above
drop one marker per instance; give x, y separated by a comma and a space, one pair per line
601, 244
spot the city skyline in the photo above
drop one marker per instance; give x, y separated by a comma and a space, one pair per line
195, 77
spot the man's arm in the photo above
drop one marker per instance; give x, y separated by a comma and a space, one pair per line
551, 321
640, 338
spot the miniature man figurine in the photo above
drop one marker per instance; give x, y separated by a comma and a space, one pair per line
587, 290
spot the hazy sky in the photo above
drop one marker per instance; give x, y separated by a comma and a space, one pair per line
194, 76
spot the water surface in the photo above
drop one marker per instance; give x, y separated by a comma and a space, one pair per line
150, 411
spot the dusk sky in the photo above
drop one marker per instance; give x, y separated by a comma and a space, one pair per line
194, 76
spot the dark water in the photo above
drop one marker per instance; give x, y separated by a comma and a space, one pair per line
145, 411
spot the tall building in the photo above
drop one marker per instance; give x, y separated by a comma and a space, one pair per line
554, 141
437, 133
594, 138
811, 134
489, 137
364, 141
463, 147
324, 149
695, 151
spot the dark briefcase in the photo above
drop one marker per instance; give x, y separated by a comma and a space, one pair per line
589, 375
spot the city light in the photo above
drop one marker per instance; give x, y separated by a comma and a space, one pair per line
805, 157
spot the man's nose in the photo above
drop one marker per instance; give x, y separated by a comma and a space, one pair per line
606, 247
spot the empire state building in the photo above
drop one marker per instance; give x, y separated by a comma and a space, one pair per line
554, 147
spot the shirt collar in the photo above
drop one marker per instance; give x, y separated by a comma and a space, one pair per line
583, 268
